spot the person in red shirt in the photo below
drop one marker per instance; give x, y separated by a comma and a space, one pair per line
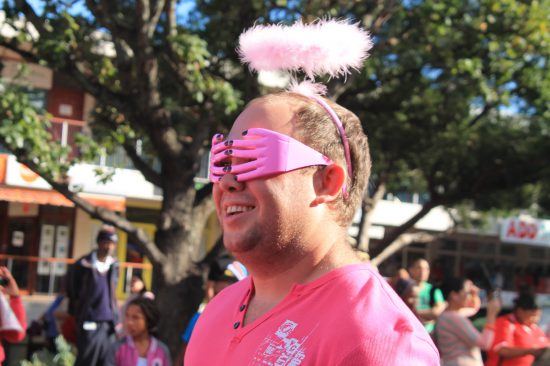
518, 340
7, 332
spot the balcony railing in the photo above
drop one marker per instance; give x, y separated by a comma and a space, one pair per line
64, 131
48, 274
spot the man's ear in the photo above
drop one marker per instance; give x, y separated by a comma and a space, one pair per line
328, 183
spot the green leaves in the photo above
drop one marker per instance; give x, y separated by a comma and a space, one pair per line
457, 85
25, 132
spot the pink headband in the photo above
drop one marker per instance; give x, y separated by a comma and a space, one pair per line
343, 136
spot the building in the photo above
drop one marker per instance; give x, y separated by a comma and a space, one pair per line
37, 222
505, 252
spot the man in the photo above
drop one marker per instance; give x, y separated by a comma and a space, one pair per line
518, 339
308, 299
13, 319
91, 291
430, 299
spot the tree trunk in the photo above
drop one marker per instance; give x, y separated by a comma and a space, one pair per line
177, 304
179, 279
395, 233
392, 242
367, 209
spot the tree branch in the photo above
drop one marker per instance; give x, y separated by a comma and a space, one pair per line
484, 111
400, 243
170, 9
100, 213
148, 172
157, 10
398, 231
13, 46
31, 16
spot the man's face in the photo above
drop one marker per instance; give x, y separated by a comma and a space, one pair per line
528, 317
420, 271
105, 248
262, 216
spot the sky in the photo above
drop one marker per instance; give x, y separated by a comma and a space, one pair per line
184, 7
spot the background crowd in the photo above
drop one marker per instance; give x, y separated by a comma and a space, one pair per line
466, 331
500, 337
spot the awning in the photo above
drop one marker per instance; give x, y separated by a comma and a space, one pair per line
114, 203
53, 198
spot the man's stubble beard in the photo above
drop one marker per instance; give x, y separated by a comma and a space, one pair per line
269, 243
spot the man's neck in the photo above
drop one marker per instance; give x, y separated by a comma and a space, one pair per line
273, 284
453, 307
102, 257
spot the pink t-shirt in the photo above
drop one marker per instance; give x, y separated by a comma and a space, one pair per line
350, 316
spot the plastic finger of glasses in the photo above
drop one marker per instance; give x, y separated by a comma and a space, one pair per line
260, 153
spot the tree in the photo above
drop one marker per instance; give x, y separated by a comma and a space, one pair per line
157, 87
455, 104
447, 88
170, 85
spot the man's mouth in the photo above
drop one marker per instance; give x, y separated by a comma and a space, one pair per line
236, 210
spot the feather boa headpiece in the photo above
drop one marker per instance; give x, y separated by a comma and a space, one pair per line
325, 47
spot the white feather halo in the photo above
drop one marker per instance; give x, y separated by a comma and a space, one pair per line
325, 47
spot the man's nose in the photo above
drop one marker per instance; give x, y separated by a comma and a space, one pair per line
229, 183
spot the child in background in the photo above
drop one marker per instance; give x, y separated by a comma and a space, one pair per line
137, 289
140, 347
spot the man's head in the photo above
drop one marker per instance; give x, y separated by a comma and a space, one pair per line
420, 270
106, 240
526, 309
279, 207
458, 291
223, 272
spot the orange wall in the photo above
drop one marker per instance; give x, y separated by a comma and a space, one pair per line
3, 163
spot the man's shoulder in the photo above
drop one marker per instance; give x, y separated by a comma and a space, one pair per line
362, 287
426, 287
507, 321
370, 300
84, 261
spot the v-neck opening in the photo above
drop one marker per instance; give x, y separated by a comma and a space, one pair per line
295, 291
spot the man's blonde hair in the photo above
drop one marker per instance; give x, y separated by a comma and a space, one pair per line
315, 128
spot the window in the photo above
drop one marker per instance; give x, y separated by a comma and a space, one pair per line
508, 250
448, 244
37, 98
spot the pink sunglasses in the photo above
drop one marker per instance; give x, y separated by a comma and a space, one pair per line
264, 153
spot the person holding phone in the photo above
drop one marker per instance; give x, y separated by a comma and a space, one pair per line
458, 341
13, 320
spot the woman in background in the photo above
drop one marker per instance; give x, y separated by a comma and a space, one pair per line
458, 341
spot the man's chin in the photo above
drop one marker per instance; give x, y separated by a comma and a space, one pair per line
238, 245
